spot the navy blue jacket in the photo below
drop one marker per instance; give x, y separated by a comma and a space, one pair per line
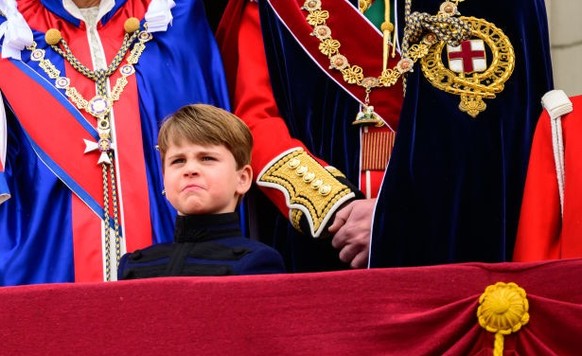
204, 245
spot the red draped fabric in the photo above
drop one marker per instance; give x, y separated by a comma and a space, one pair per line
400, 311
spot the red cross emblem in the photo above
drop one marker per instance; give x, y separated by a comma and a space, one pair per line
468, 57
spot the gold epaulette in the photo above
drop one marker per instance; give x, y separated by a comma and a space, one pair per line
311, 191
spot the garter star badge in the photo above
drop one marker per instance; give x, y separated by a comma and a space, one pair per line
469, 73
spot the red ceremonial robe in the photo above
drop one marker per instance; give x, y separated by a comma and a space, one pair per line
543, 233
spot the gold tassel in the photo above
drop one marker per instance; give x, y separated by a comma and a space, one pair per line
387, 29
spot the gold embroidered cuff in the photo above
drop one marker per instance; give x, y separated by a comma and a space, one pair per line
312, 192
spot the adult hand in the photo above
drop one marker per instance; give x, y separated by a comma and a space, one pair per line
351, 229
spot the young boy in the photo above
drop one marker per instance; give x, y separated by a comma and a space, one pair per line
205, 155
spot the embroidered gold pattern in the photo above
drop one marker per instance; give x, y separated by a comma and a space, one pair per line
308, 185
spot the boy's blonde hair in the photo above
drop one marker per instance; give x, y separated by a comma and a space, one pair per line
204, 124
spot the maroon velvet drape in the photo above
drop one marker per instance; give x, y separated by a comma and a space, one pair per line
400, 311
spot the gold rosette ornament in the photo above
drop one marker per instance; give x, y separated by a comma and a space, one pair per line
503, 309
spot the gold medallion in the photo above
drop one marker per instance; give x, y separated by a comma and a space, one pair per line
469, 73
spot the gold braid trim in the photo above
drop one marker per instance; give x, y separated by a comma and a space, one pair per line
311, 191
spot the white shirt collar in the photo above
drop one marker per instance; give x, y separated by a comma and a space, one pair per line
104, 7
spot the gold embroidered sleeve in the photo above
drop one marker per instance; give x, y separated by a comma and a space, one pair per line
312, 192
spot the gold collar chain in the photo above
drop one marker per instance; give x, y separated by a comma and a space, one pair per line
101, 104
442, 27
99, 107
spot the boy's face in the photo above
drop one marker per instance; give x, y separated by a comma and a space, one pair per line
203, 179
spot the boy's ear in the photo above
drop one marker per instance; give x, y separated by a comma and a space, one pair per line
245, 179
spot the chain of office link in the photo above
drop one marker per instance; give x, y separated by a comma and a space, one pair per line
100, 76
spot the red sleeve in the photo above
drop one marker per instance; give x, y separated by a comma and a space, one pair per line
254, 101
302, 186
540, 223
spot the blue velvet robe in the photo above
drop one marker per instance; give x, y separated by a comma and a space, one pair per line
453, 186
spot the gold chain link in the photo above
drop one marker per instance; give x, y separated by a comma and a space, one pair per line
100, 76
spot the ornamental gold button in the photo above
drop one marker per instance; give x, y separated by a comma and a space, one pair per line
324, 190
294, 163
316, 184
309, 176
301, 170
